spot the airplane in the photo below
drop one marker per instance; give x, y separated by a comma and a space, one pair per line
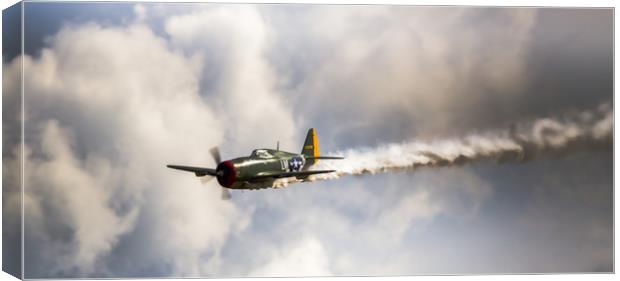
263, 167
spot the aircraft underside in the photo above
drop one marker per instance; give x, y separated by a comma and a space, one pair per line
264, 184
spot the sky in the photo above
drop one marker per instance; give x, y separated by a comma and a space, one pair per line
115, 91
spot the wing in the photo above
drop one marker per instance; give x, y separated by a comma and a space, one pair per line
277, 175
200, 172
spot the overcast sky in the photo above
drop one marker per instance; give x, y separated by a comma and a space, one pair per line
116, 91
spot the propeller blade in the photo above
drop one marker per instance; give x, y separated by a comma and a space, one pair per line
226, 194
215, 153
206, 179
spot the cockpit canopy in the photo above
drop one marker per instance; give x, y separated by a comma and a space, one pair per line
261, 153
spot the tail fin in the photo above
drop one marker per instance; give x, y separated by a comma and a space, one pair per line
311, 147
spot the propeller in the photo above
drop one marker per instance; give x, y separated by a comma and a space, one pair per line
215, 153
225, 194
206, 179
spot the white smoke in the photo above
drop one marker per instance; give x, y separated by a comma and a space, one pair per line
522, 142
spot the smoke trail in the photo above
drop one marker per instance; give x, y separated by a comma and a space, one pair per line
522, 142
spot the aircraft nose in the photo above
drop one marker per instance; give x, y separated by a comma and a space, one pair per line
226, 174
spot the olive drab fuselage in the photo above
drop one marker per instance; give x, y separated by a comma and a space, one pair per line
238, 172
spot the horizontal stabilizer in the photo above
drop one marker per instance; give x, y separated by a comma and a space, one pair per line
200, 172
324, 157
277, 175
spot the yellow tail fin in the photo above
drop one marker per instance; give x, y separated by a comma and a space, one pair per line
311, 147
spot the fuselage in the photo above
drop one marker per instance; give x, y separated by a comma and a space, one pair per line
237, 173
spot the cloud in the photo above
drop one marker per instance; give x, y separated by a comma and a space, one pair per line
77, 192
108, 107
363, 224
424, 72
238, 79
304, 258
426, 66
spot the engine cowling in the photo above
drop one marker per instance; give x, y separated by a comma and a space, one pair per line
226, 173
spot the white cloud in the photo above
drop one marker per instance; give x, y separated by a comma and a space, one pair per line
305, 257
231, 40
78, 191
107, 109
140, 12
430, 67
364, 225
